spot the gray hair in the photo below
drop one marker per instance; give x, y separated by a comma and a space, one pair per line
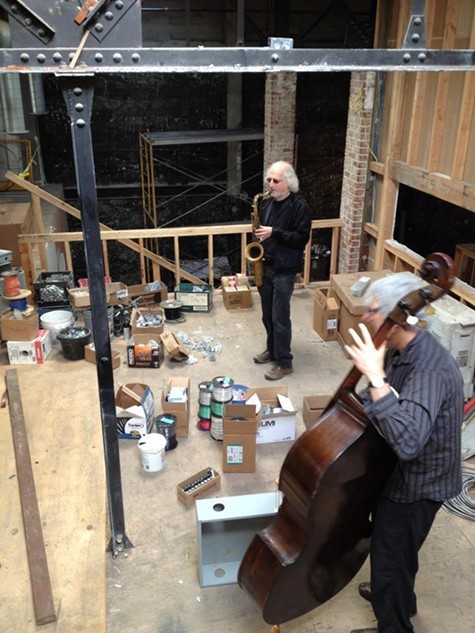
288, 174
388, 291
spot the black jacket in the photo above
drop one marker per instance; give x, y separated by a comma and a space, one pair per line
291, 221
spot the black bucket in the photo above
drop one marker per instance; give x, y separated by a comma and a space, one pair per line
73, 341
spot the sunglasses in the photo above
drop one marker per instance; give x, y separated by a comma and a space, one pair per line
274, 180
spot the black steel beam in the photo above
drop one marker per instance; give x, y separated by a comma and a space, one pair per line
232, 60
78, 94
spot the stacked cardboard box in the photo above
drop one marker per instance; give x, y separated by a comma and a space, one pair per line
240, 424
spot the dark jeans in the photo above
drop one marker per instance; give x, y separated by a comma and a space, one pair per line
276, 292
399, 530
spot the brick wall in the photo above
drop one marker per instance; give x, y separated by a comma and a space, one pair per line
280, 105
355, 170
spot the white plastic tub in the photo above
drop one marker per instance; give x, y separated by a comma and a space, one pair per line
57, 320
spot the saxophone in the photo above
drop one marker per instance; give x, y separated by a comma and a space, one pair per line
254, 251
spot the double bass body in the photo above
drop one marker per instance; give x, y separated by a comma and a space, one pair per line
319, 539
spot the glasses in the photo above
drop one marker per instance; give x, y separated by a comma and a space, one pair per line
274, 180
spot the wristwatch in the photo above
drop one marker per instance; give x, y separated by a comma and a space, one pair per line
378, 383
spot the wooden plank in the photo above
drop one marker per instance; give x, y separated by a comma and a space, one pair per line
443, 87
39, 228
39, 573
438, 185
62, 415
466, 118
64, 206
210, 260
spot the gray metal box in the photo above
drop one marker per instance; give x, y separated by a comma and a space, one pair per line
226, 527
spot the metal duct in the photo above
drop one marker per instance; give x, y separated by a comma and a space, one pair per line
12, 104
37, 94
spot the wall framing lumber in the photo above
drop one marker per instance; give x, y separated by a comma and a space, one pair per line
456, 192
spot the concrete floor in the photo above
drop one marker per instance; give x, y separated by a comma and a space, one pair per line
154, 586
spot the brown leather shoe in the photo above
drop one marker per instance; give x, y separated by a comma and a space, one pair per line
276, 373
364, 589
265, 357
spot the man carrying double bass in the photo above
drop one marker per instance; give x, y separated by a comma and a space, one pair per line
415, 401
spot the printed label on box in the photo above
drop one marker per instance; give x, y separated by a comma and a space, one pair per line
234, 454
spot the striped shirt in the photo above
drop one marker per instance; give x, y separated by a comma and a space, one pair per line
424, 425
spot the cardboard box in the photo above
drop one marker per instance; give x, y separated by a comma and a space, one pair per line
24, 329
276, 426
152, 331
174, 348
16, 219
143, 354
326, 310
197, 486
179, 409
351, 307
240, 424
116, 292
194, 297
90, 355
237, 297
134, 407
149, 296
33, 352
313, 407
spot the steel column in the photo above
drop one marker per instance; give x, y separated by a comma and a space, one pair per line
78, 94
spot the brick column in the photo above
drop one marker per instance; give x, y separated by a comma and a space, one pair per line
355, 170
279, 125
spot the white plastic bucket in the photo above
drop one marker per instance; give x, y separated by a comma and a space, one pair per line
57, 320
152, 451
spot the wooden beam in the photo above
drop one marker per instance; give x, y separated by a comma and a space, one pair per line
419, 97
454, 191
466, 118
39, 573
443, 87
64, 206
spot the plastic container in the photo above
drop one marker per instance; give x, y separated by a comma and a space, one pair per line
73, 341
87, 316
152, 451
57, 320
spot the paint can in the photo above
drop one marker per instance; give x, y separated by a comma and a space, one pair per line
152, 452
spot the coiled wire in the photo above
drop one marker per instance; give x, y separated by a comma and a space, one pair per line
463, 505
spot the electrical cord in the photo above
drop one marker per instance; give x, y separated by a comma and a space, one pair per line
463, 505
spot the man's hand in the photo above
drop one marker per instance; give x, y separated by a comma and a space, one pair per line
366, 357
263, 233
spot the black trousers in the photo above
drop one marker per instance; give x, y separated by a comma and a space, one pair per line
399, 530
276, 292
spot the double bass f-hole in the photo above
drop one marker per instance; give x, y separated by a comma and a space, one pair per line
330, 480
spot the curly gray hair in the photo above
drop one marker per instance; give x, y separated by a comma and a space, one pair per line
388, 291
287, 172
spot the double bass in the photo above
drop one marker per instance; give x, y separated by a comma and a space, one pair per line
330, 481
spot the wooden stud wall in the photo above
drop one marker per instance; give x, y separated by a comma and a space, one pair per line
427, 133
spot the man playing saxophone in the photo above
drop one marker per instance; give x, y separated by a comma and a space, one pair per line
285, 223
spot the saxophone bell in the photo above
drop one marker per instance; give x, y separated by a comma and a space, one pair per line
254, 252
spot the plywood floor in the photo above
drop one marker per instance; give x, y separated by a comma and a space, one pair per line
154, 586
